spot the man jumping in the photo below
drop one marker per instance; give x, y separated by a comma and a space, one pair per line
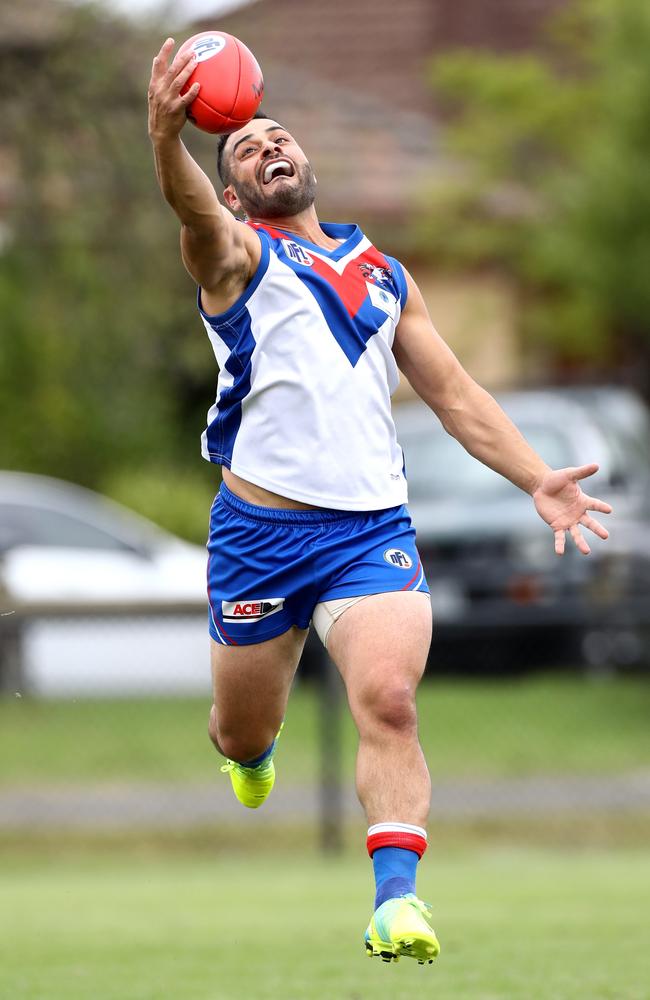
309, 324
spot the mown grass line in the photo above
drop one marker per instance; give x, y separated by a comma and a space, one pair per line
534, 725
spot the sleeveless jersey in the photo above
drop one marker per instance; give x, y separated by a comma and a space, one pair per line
306, 372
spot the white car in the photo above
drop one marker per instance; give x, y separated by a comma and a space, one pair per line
108, 603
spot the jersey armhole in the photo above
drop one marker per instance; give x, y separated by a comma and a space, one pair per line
218, 318
400, 279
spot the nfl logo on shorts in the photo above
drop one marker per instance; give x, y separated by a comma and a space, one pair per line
397, 557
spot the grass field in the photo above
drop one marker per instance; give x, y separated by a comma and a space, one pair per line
515, 925
535, 725
236, 914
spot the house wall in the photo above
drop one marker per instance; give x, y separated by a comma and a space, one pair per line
477, 317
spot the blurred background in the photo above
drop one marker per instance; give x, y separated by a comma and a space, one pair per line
501, 149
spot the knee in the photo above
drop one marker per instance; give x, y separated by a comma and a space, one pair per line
235, 745
390, 706
213, 730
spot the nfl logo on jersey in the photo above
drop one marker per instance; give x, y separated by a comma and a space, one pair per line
297, 253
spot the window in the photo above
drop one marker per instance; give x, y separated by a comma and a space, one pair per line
26, 524
437, 466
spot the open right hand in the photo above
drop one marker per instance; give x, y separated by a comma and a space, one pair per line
167, 106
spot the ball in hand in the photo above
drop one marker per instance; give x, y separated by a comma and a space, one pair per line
231, 81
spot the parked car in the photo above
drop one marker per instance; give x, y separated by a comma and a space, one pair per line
108, 601
500, 595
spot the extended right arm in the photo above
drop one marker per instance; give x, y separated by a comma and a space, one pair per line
219, 253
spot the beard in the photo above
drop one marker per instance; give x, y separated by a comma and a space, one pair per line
281, 200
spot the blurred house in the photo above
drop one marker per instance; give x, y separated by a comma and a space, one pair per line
350, 81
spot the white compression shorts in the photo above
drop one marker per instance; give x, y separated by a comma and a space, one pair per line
328, 612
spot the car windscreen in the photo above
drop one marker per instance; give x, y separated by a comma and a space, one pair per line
438, 466
27, 524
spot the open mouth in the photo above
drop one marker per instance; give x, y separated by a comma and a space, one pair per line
277, 168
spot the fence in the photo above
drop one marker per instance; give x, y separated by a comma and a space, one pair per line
136, 649
103, 728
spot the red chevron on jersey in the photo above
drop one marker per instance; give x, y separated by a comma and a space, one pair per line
351, 285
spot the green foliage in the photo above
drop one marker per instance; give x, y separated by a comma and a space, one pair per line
551, 176
103, 364
178, 499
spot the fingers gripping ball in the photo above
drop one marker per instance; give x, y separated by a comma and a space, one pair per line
231, 82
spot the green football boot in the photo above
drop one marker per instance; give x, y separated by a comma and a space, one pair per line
402, 926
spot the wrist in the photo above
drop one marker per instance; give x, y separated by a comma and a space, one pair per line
537, 479
161, 138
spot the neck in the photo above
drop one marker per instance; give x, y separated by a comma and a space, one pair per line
304, 224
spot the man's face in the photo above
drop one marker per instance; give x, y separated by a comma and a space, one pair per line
271, 176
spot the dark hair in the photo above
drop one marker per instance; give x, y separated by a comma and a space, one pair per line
222, 168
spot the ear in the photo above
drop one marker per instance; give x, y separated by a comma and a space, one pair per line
231, 199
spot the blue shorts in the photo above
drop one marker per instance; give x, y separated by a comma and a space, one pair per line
269, 568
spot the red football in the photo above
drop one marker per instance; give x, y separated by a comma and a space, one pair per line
231, 82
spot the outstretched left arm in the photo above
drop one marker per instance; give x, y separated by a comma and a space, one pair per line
475, 419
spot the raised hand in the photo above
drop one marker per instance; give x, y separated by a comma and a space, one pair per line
560, 501
167, 106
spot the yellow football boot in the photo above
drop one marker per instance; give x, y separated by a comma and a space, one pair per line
252, 785
402, 926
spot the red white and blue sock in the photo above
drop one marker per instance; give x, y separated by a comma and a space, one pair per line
395, 849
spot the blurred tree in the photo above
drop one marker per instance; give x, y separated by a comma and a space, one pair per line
102, 363
549, 179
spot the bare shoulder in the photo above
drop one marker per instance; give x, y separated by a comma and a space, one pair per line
219, 299
415, 328
222, 259
422, 355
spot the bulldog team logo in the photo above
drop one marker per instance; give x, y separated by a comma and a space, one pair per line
399, 558
249, 610
378, 275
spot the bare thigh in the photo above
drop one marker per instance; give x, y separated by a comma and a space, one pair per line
380, 646
250, 686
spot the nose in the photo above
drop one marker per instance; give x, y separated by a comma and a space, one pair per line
270, 149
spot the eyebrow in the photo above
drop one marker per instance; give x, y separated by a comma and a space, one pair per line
272, 128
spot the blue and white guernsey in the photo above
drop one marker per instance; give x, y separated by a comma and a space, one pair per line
306, 372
